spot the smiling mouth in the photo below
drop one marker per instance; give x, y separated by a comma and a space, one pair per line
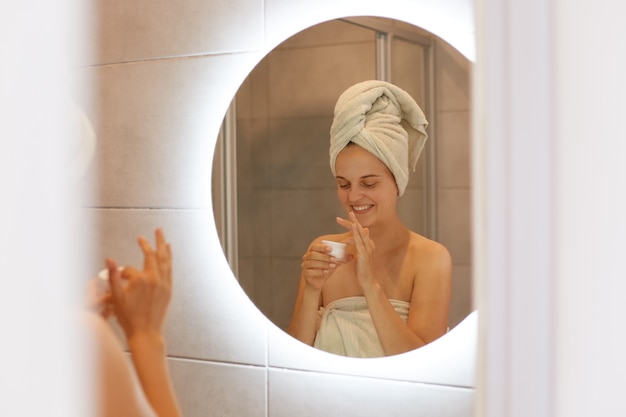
361, 208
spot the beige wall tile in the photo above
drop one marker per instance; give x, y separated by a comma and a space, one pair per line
299, 153
329, 33
454, 77
454, 149
299, 91
285, 281
407, 63
254, 154
256, 278
454, 224
255, 225
411, 210
253, 95
299, 216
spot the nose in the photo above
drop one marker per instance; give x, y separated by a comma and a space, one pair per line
354, 194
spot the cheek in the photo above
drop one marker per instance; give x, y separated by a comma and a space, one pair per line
389, 198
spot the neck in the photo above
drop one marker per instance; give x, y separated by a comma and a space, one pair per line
389, 234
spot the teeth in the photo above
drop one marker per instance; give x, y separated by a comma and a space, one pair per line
360, 208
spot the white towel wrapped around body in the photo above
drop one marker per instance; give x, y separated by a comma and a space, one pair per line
347, 329
384, 120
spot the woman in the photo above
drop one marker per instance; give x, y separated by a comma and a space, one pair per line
392, 292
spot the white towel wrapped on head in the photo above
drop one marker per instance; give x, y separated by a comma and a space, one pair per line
384, 120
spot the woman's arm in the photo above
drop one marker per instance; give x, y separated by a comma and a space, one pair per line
429, 301
140, 306
317, 266
117, 390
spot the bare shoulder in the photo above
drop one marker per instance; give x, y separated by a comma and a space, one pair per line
429, 255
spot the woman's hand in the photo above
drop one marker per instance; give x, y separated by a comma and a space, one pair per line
363, 265
318, 265
140, 297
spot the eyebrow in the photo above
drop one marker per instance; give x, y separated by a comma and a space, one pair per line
365, 177
339, 177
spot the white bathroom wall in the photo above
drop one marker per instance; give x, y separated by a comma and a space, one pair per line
164, 75
590, 226
549, 161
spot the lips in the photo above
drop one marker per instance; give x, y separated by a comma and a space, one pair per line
362, 208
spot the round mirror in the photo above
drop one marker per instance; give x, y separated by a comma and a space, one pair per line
273, 191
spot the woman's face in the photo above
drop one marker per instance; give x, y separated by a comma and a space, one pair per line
365, 185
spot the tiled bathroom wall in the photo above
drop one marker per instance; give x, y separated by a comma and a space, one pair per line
164, 73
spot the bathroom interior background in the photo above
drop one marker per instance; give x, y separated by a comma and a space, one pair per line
286, 195
532, 249
164, 78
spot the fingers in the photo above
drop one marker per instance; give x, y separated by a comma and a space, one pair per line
344, 223
149, 257
362, 232
317, 264
131, 274
163, 256
355, 221
157, 262
358, 239
318, 255
318, 250
349, 224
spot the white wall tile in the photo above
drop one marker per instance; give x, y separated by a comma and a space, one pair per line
213, 389
142, 29
210, 317
307, 394
156, 129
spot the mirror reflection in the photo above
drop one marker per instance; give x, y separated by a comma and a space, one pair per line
273, 189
